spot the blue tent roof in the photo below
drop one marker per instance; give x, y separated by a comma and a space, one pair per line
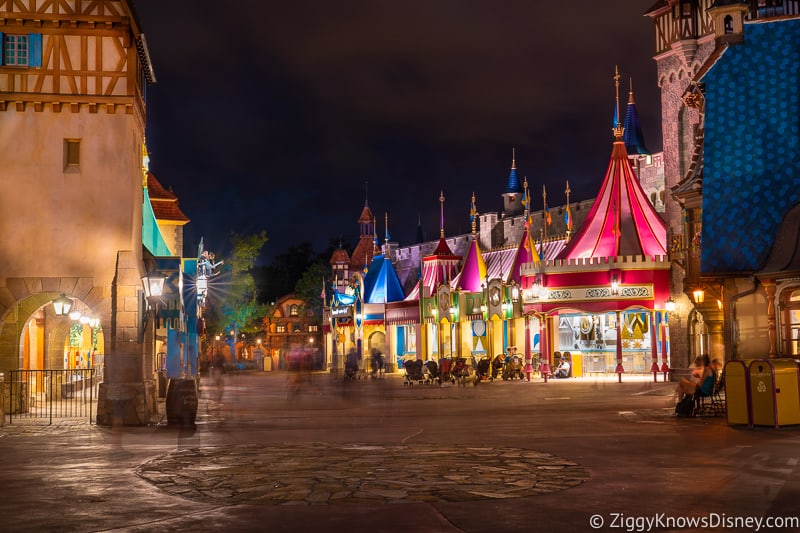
752, 140
514, 186
381, 284
633, 136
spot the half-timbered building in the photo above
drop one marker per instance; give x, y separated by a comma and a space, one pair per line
73, 76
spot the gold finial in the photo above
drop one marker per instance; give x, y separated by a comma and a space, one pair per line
513, 158
386, 233
569, 213
441, 213
630, 94
618, 130
473, 213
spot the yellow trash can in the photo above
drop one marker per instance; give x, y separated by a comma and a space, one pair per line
737, 393
774, 392
576, 364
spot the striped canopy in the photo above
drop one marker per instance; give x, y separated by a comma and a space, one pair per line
622, 222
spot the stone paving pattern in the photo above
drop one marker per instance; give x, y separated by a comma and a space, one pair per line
356, 473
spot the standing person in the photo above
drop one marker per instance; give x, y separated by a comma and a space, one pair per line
528, 366
217, 370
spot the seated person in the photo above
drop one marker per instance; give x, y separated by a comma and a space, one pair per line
703, 378
562, 370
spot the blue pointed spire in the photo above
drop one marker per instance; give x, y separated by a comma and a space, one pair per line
514, 185
633, 136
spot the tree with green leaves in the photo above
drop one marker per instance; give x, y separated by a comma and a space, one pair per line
309, 287
236, 307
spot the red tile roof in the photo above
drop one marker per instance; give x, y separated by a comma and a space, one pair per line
164, 202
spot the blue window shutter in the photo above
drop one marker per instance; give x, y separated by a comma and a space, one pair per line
2, 47
35, 50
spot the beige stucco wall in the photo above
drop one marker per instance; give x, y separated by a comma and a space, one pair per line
173, 236
67, 228
73, 222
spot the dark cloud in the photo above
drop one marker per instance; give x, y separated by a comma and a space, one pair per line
273, 115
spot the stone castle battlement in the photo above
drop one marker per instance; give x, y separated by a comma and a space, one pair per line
589, 264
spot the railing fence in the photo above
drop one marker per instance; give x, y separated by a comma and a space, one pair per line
43, 395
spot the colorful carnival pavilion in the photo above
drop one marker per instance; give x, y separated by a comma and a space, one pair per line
599, 298
602, 301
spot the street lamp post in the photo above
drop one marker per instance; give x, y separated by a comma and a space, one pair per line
153, 284
181, 393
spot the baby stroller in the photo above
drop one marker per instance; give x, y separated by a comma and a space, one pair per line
460, 371
497, 365
413, 372
513, 368
446, 371
351, 366
482, 369
431, 373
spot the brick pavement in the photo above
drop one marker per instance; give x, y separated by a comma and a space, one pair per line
384, 457
358, 473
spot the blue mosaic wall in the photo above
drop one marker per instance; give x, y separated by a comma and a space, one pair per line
752, 146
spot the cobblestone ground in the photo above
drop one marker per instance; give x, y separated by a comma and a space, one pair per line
293, 474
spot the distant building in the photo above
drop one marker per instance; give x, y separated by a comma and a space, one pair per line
291, 326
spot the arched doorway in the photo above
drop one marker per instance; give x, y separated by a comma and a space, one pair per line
377, 341
54, 362
35, 338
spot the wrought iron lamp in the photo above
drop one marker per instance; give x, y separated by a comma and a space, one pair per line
62, 305
699, 295
153, 283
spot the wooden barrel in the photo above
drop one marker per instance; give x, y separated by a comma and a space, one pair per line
181, 402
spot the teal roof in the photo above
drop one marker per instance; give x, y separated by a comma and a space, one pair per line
752, 146
151, 234
381, 284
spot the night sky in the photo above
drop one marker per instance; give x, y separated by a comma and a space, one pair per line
272, 115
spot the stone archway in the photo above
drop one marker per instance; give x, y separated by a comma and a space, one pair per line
31, 299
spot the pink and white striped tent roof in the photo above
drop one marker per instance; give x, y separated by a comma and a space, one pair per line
622, 222
441, 267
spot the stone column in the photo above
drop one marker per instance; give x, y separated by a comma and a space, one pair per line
125, 397
772, 323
